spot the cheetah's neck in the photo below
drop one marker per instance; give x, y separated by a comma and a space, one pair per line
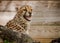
22, 22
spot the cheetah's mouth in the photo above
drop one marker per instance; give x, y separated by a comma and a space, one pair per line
28, 18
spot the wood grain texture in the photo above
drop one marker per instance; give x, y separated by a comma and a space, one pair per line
45, 21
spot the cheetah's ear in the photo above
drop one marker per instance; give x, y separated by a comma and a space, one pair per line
16, 8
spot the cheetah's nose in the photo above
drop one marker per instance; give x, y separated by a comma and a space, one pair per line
27, 14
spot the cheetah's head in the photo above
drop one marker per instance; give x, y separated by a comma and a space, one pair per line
25, 12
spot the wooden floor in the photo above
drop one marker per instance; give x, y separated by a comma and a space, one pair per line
44, 40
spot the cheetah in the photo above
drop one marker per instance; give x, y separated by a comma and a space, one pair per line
21, 20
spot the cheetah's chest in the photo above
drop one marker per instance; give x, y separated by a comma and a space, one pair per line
17, 26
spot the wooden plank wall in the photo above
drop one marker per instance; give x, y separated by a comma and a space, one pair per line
45, 22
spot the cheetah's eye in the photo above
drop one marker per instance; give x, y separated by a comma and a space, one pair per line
24, 9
